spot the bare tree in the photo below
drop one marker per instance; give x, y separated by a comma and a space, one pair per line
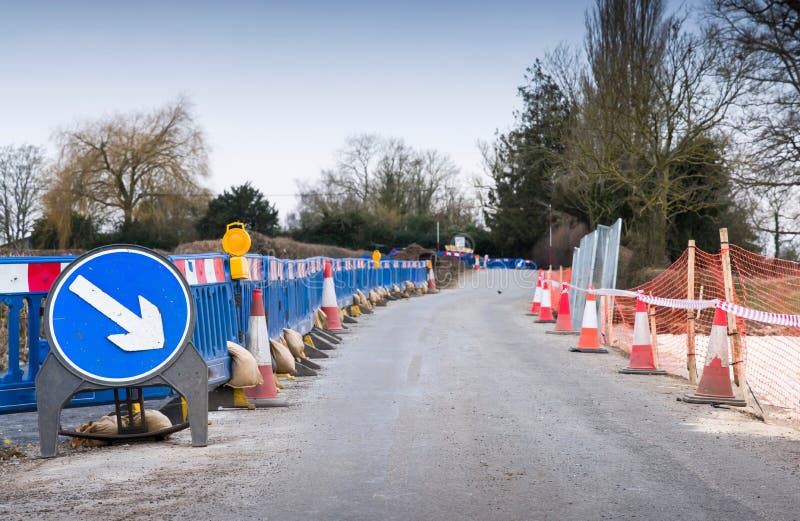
647, 136
767, 34
356, 163
130, 166
21, 183
385, 181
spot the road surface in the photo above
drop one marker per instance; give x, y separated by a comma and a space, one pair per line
450, 406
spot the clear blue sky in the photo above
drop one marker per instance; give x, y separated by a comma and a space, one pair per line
279, 85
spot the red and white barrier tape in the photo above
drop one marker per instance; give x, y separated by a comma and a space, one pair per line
755, 315
766, 317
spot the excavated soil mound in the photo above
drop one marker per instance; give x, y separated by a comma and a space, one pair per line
446, 269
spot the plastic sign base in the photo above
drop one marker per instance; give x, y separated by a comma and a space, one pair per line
55, 385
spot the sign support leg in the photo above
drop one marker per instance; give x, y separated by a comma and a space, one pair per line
188, 375
54, 387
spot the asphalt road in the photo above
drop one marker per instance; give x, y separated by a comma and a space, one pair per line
450, 406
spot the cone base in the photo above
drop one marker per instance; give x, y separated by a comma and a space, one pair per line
588, 350
694, 398
553, 321
350, 320
562, 332
628, 370
532, 314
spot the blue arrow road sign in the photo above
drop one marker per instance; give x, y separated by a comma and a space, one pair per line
119, 314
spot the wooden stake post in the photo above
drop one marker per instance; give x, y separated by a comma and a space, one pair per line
610, 321
651, 312
733, 331
691, 363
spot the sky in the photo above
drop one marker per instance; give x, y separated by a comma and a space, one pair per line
278, 86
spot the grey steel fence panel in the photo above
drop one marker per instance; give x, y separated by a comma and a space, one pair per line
594, 263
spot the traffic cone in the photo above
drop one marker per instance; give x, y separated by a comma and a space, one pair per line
266, 394
589, 341
329, 305
642, 360
536, 303
431, 279
715, 383
564, 322
546, 312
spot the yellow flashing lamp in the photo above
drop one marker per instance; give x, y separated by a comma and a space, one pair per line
430, 265
236, 242
376, 258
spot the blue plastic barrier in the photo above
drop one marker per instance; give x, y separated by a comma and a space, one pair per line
210, 281
292, 292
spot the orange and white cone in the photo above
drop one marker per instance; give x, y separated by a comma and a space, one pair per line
715, 383
589, 341
642, 359
536, 303
266, 394
329, 305
564, 322
431, 279
546, 312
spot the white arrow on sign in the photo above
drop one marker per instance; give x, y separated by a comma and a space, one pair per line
143, 333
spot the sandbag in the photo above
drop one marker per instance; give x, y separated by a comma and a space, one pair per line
321, 318
156, 420
294, 341
244, 368
284, 362
373, 296
106, 425
285, 344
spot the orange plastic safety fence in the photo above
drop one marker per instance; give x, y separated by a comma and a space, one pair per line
770, 354
564, 275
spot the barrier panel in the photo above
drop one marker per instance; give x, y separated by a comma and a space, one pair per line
594, 263
210, 281
24, 283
